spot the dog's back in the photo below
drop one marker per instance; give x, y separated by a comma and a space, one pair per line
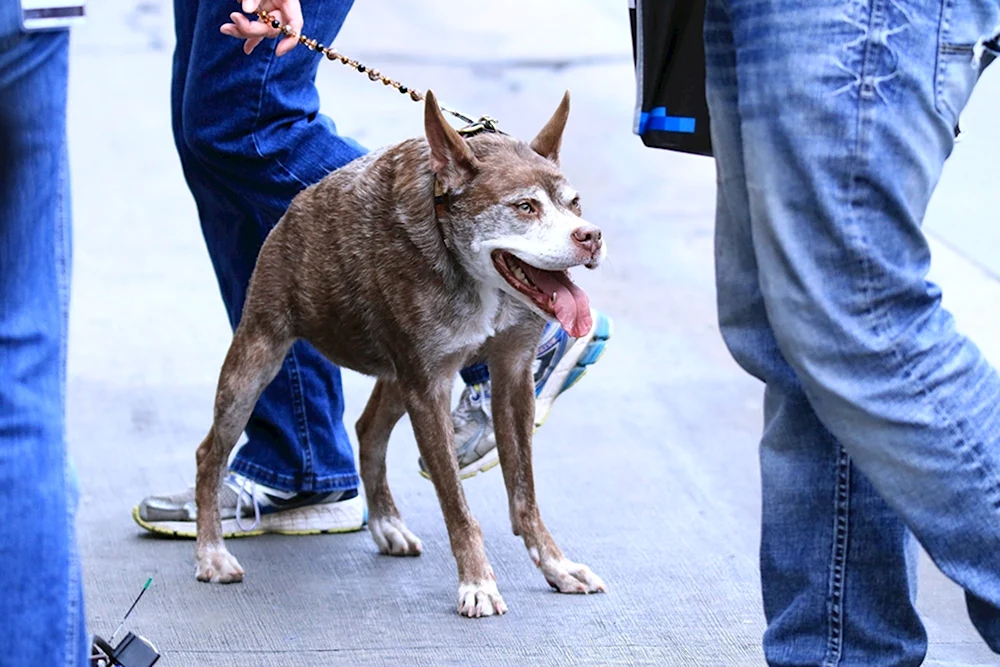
364, 271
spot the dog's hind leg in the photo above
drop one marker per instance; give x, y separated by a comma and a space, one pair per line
428, 405
254, 358
384, 409
513, 388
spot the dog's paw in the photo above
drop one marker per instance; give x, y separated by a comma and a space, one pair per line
218, 566
393, 537
480, 598
566, 576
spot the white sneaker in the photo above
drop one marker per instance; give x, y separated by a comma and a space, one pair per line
249, 508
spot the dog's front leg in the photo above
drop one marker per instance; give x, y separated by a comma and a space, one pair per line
428, 408
513, 403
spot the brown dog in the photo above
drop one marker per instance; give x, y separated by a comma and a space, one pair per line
385, 278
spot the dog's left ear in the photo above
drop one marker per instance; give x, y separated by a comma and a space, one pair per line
549, 140
451, 158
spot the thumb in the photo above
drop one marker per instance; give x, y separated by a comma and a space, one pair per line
250, 6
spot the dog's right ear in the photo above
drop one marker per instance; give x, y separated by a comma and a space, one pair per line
451, 158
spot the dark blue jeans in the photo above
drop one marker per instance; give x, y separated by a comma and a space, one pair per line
250, 137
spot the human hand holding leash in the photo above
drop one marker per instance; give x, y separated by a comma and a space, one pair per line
288, 12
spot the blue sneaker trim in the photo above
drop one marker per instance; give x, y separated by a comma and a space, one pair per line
603, 329
592, 353
573, 376
550, 354
595, 348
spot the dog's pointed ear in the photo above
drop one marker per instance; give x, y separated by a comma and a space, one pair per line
451, 158
549, 140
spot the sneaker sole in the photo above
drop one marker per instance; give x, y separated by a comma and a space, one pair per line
347, 516
593, 350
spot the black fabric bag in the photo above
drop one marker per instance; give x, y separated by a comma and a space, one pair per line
669, 53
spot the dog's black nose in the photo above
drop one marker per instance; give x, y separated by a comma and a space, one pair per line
588, 237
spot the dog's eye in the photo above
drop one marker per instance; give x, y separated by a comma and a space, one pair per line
576, 202
525, 207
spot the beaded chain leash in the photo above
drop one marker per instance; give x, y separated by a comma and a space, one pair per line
485, 123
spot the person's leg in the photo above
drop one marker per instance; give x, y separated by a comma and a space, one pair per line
836, 186
42, 600
250, 137
837, 565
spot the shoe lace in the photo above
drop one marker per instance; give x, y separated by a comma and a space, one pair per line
245, 483
470, 401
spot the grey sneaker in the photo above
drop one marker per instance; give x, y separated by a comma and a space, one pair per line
475, 443
559, 364
249, 508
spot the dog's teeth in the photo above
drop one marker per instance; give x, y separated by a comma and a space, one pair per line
554, 295
519, 273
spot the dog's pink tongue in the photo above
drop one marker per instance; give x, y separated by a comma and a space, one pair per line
572, 305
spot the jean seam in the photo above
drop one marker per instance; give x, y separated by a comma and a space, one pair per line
943, 49
302, 420
857, 240
260, 102
75, 601
838, 561
272, 55
62, 264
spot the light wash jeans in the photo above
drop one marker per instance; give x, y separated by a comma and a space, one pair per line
831, 121
41, 596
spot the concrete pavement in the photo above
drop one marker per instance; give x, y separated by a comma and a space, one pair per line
646, 471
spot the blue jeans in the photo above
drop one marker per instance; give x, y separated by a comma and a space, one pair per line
41, 604
831, 123
250, 137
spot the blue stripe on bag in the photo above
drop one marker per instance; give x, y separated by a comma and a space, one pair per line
657, 119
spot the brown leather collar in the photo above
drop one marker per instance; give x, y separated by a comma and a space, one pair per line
441, 199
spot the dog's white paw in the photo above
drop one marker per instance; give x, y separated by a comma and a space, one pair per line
568, 577
480, 598
393, 537
218, 566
